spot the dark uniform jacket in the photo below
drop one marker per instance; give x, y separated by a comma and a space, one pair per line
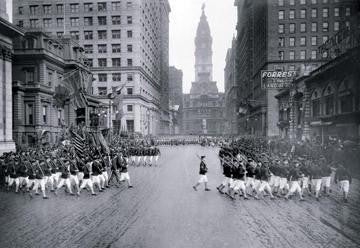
203, 168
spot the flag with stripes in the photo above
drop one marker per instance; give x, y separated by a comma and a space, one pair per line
78, 142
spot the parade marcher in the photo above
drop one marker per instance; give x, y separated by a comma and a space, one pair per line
326, 178
343, 177
227, 172
40, 179
202, 173
115, 168
316, 180
96, 173
264, 182
65, 177
238, 183
86, 181
124, 174
13, 175
74, 180
294, 178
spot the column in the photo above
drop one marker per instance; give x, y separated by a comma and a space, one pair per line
307, 113
2, 99
8, 96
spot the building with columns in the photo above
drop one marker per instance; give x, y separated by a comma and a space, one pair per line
127, 45
203, 111
8, 32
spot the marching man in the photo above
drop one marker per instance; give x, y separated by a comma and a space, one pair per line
203, 177
343, 176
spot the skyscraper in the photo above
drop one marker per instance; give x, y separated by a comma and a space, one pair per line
203, 107
126, 43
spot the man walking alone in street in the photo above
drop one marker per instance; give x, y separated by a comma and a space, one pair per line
203, 177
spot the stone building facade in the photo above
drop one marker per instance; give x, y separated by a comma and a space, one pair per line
8, 32
203, 112
45, 72
176, 97
127, 44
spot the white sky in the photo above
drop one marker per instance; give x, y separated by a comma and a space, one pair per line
184, 18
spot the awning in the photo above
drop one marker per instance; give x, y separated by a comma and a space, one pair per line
320, 123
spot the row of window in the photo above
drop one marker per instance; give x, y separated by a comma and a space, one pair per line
102, 48
303, 2
103, 90
30, 114
301, 55
102, 34
314, 13
314, 27
302, 41
47, 9
115, 62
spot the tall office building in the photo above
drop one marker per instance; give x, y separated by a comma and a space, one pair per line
204, 106
126, 43
281, 35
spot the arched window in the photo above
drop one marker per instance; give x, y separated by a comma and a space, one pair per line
329, 100
315, 103
345, 97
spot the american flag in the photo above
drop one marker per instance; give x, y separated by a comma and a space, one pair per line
78, 142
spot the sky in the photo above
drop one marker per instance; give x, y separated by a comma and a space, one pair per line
184, 19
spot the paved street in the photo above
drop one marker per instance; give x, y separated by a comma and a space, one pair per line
163, 211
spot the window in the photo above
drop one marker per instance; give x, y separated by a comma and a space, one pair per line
130, 126
89, 62
302, 27
303, 13
302, 2
102, 48
129, 34
88, 7
29, 76
88, 35
116, 5
281, 41
116, 62
302, 41
325, 1
102, 77
74, 35
292, 41
116, 34
325, 12
116, 48
292, 28
325, 26
291, 55
336, 12
316, 107
130, 77
329, 104
21, 23
74, 8
291, 67
44, 114
102, 91
313, 1
20, 10
102, 62
325, 55
292, 14
60, 116
102, 20
336, 26
314, 13
74, 22
281, 15
313, 54
47, 9
129, 108
33, 9
102, 6
116, 77
102, 35
281, 28
59, 34
129, 20
129, 91
129, 48
129, 62
347, 24
60, 8
314, 40
88, 49
314, 27
347, 11
29, 114
116, 20
60, 22
281, 55
47, 22
88, 21
34, 23
302, 54
129, 4
281, 2
292, 2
